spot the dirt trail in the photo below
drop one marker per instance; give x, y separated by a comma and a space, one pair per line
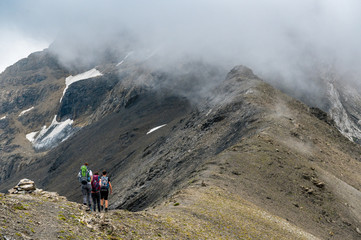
48, 220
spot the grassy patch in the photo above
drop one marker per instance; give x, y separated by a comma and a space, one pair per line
216, 214
19, 206
61, 217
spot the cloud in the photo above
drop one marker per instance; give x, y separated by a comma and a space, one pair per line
277, 39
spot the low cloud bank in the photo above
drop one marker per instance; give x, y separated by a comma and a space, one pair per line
282, 41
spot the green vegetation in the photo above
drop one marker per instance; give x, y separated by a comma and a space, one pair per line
19, 206
61, 217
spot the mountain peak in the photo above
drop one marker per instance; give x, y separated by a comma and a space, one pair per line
240, 72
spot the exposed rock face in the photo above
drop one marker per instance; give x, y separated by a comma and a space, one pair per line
345, 110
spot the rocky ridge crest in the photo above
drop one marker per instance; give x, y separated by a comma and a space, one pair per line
46, 215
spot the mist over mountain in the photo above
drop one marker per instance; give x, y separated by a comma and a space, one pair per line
281, 41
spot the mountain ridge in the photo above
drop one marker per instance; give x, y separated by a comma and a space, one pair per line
240, 137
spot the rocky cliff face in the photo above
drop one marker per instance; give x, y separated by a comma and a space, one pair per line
164, 135
345, 110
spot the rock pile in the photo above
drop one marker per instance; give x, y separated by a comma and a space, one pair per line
24, 186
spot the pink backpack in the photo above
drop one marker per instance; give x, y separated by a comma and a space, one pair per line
95, 184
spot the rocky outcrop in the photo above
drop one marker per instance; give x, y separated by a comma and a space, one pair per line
31, 216
24, 186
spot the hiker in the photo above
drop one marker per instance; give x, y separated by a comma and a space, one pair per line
85, 177
95, 183
105, 186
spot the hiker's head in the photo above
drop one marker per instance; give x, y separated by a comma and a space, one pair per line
86, 164
104, 172
96, 173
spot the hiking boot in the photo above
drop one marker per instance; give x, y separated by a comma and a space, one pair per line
101, 207
106, 210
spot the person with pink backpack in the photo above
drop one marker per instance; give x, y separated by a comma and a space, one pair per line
95, 192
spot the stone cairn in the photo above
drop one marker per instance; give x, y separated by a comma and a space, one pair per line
24, 186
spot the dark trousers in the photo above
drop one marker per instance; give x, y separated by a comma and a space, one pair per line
96, 200
85, 189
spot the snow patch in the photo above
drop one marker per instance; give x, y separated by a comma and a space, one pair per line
4, 117
49, 137
209, 112
125, 58
82, 76
156, 128
249, 91
25, 111
31, 136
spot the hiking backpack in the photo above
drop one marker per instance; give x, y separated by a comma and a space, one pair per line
104, 183
84, 175
95, 184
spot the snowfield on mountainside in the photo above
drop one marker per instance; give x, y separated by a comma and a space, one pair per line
48, 136
92, 73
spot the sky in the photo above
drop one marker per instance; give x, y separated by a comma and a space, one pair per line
273, 37
15, 45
